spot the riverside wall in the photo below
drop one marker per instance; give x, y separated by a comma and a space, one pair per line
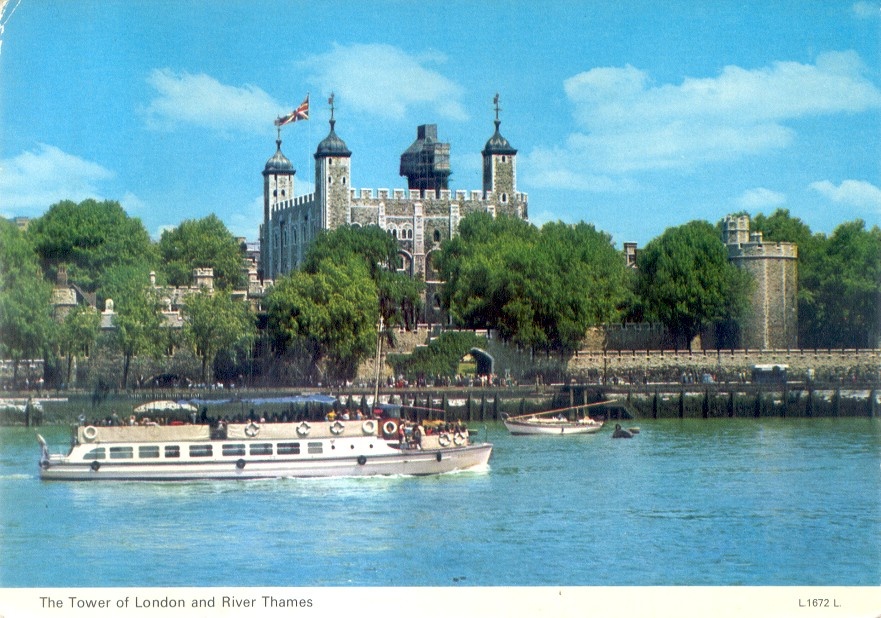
636, 366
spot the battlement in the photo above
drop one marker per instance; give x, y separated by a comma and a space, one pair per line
301, 200
443, 195
763, 251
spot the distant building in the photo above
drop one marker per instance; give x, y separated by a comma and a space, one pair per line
773, 319
419, 217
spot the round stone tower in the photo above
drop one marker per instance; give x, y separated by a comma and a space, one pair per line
772, 322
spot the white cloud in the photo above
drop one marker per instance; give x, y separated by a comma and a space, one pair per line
384, 80
760, 198
201, 100
34, 180
858, 193
628, 124
866, 10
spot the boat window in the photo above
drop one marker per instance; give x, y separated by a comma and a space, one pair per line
95, 453
200, 450
233, 450
121, 452
288, 448
261, 449
148, 452
172, 451
315, 448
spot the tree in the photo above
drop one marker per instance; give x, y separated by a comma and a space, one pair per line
201, 243
686, 281
138, 326
326, 319
77, 334
846, 295
26, 325
539, 288
400, 296
216, 323
90, 238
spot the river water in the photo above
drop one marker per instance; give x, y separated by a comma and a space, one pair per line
720, 502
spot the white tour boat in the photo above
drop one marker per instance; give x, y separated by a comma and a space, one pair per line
554, 422
251, 450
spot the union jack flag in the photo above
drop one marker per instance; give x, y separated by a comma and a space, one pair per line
301, 113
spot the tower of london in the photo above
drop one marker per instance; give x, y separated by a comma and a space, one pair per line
420, 217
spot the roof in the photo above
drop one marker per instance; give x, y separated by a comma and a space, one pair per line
278, 162
497, 144
332, 145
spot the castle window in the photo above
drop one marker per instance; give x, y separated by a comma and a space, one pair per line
504, 159
504, 198
437, 301
330, 180
343, 180
437, 236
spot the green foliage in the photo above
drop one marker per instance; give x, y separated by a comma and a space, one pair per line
139, 323
77, 334
842, 299
325, 319
216, 323
686, 281
440, 357
26, 325
90, 238
201, 243
539, 288
400, 296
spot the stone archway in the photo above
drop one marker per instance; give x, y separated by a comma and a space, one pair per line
485, 361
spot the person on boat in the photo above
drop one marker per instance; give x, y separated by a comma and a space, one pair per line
417, 437
461, 429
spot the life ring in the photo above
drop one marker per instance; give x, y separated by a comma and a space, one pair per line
303, 429
458, 439
252, 429
444, 440
368, 427
95, 466
390, 429
240, 464
337, 428
362, 460
90, 433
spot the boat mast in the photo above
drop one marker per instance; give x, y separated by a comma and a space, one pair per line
378, 355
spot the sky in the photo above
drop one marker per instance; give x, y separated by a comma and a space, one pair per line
633, 116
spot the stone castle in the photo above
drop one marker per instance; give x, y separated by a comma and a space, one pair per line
420, 217
428, 212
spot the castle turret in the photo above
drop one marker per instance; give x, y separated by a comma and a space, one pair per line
426, 163
332, 178
278, 186
499, 163
772, 322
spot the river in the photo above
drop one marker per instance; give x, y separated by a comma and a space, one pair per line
718, 502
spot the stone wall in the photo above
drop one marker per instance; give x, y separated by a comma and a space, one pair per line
635, 365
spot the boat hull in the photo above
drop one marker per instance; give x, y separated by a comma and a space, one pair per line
408, 463
518, 428
252, 452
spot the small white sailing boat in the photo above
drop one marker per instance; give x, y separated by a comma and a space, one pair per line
555, 422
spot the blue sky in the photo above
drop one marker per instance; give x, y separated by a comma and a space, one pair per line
633, 116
